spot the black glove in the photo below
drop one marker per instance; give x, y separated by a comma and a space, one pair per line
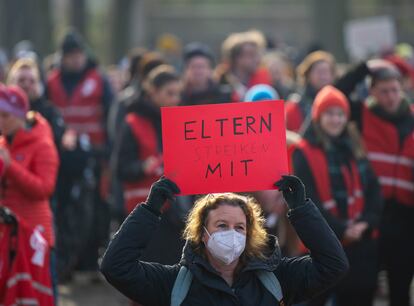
293, 190
161, 191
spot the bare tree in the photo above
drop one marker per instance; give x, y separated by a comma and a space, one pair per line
26, 20
329, 19
120, 25
78, 16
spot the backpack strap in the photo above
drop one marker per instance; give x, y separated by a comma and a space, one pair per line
181, 286
184, 278
271, 283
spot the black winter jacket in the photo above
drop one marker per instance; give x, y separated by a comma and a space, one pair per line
151, 283
52, 115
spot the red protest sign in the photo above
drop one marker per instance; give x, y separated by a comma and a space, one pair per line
235, 147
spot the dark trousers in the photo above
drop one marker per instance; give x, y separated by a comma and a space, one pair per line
354, 298
82, 217
98, 235
397, 251
359, 285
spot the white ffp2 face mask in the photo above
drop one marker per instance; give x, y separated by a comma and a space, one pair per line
226, 246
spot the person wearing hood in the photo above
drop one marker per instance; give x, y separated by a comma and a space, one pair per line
199, 86
227, 249
25, 74
28, 162
331, 161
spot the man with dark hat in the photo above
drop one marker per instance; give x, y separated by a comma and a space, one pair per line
83, 96
199, 87
80, 91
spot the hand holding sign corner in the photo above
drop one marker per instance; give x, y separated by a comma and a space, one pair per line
234, 147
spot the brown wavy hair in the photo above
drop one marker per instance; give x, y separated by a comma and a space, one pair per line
256, 236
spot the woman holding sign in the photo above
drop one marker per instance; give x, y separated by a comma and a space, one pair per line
332, 163
228, 258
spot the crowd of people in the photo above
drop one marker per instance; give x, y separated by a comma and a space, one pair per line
81, 145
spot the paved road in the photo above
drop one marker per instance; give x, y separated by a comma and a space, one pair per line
82, 292
104, 295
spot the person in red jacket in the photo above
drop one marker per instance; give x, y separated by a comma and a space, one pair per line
138, 152
26, 275
332, 163
80, 91
82, 94
28, 162
138, 158
386, 121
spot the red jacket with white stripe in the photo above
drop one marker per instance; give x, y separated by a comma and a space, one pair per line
26, 279
318, 164
83, 111
145, 135
392, 159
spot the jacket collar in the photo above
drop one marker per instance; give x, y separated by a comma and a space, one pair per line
36, 129
207, 275
273, 256
403, 113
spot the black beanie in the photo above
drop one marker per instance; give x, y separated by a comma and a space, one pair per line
197, 49
71, 42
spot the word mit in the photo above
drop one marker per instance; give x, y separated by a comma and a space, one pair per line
229, 167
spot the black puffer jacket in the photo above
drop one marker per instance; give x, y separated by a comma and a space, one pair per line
152, 283
52, 115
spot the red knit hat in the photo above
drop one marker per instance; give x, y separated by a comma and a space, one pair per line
329, 96
13, 100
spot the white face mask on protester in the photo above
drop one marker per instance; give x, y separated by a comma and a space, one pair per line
226, 246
